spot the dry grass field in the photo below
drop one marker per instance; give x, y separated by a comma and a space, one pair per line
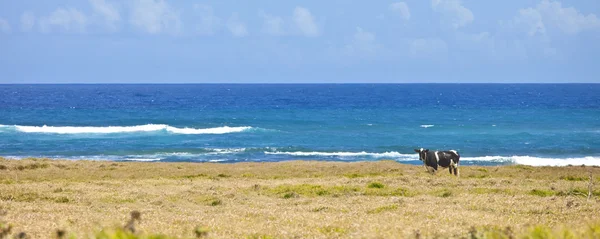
297, 199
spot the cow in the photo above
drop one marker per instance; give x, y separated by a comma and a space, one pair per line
445, 159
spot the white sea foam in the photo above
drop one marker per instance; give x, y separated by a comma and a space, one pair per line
533, 161
125, 129
538, 161
348, 154
142, 159
218, 130
427, 125
525, 160
228, 151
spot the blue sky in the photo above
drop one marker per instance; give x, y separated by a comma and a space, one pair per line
168, 41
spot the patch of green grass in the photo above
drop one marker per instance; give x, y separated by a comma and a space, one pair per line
491, 191
386, 192
290, 195
20, 197
194, 176
201, 232
482, 170
222, 175
310, 190
540, 212
444, 193
573, 178
209, 200
478, 176
375, 185
578, 192
332, 230
259, 236
302, 189
7, 181
33, 166
319, 209
216, 202
593, 231
62, 199
540, 232
61, 166
354, 175
542, 193
383, 209
343, 190
122, 234
524, 167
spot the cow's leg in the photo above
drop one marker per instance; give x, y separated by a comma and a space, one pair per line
429, 169
450, 168
456, 170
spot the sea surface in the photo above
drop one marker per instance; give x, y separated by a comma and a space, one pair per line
489, 124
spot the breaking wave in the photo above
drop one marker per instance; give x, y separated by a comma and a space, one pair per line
269, 154
538, 161
124, 129
524, 160
348, 154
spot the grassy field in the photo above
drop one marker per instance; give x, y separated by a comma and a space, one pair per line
297, 199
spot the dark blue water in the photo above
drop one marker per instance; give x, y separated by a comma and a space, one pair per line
536, 124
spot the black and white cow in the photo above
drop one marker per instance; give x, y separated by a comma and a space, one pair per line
445, 159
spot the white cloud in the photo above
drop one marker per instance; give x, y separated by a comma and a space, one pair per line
530, 21
305, 22
549, 13
402, 9
4, 26
428, 48
362, 42
272, 25
208, 21
154, 16
454, 12
236, 27
108, 12
67, 20
27, 21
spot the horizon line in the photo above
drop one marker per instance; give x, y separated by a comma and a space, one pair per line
308, 83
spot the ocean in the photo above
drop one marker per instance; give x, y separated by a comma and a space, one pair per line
489, 124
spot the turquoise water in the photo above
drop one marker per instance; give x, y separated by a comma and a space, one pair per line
489, 124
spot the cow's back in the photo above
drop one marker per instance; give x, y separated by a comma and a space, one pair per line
442, 158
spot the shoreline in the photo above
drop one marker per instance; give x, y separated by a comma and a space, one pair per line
484, 161
292, 199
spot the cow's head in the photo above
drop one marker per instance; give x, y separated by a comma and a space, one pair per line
422, 153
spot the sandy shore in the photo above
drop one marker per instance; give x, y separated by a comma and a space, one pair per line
297, 199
